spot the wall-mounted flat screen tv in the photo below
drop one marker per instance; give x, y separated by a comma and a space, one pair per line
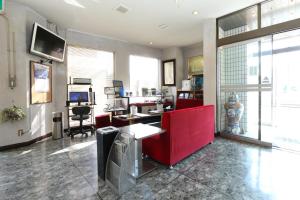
47, 44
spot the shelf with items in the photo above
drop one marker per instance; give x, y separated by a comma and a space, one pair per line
80, 94
149, 103
189, 94
117, 105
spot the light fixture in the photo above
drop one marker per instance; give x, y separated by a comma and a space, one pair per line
150, 43
195, 12
74, 3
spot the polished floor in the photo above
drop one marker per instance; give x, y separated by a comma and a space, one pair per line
67, 169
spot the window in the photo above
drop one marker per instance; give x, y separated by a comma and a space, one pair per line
144, 73
278, 11
237, 23
94, 64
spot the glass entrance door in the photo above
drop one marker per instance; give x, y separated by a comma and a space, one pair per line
280, 124
238, 99
262, 77
245, 72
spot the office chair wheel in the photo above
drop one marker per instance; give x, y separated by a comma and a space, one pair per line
93, 131
84, 134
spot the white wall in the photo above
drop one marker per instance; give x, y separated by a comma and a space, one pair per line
39, 117
191, 51
210, 62
38, 121
176, 53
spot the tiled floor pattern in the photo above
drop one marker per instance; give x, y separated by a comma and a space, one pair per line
67, 169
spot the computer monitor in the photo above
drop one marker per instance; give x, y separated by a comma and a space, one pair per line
117, 83
79, 97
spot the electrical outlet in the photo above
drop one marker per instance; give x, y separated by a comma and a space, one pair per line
20, 132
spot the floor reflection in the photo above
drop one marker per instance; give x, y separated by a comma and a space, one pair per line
67, 169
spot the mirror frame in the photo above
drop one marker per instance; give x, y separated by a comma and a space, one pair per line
164, 75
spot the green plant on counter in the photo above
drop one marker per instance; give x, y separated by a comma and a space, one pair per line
13, 113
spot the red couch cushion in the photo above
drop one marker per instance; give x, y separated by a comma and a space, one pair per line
187, 130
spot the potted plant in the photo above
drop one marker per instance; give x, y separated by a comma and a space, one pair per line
12, 114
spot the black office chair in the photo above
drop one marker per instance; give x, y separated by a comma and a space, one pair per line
81, 113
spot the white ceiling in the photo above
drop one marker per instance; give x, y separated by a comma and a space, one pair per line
140, 24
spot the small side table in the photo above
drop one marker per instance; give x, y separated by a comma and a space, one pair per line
125, 163
140, 132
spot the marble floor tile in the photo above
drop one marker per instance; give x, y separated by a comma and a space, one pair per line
67, 169
185, 188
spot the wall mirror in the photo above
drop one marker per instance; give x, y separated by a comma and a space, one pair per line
169, 72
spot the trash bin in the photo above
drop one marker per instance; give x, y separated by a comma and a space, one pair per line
57, 127
105, 138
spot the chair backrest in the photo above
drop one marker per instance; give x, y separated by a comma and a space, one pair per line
81, 110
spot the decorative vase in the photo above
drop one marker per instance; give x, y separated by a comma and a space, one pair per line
234, 112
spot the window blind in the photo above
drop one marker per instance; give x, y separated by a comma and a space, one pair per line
94, 64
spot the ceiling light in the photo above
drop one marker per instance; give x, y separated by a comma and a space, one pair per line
150, 43
195, 12
74, 3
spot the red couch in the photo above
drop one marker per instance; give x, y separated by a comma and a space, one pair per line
188, 103
187, 131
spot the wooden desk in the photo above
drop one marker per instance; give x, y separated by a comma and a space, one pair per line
123, 120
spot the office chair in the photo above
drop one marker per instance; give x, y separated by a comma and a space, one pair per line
81, 113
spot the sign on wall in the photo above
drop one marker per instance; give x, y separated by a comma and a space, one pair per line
195, 65
2, 6
40, 83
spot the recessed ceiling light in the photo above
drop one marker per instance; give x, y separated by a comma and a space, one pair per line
150, 43
195, 12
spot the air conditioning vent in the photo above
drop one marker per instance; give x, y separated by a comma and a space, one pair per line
163, 26
122, 9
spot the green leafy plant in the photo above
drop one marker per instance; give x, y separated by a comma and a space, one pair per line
13, 113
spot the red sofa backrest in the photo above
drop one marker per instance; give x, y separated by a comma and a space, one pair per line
188, 103
187, 130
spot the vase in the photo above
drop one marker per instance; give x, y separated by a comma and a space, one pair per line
234, 112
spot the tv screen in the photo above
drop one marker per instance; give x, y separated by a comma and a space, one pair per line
117, 83
79, 97
47, 44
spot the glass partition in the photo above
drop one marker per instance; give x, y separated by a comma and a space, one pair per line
239, 72
239, 22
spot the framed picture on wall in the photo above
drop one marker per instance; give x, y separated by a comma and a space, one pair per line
40, 83
195, 65
169, 72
